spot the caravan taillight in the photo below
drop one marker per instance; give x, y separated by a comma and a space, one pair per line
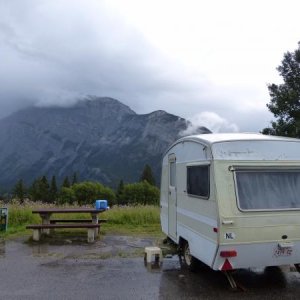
228, 253
216, 229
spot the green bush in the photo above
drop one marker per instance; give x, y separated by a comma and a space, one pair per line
87, 192
140, 193
66, 196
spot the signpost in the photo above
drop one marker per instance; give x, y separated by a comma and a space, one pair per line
3, 218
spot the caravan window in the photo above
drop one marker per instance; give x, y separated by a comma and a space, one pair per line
172, 173
198, 181
268, 189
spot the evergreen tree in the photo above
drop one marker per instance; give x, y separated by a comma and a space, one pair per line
147, 175
19, 190
1, 194
45, 189
53, 192
39, 189
74, 179
34, 190
120, 192
66, 182
285, 98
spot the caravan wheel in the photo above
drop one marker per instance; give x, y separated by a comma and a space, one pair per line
189, 260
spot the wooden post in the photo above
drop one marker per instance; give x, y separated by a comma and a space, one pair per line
95, 221
36, 234
45, 221
91, 235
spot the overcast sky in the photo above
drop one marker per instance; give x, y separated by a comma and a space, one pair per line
207, 61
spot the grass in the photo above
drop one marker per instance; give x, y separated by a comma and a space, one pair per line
133, 219
137, 220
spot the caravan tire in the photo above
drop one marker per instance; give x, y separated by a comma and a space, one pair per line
189, 261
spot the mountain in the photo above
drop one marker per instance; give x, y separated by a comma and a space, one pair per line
99, 138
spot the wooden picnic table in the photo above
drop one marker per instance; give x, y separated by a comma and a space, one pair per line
46, 213
48, 223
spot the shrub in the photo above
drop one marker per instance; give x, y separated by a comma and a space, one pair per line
66, 196
87, 192
140, 193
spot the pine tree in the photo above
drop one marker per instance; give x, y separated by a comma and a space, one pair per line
45, 188
147, 175
19, 190
74, 179
53, 192
39, 189
120, 192
34, 190
66, 182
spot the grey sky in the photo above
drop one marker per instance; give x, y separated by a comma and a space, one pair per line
208, 62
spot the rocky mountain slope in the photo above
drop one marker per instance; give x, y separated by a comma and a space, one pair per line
99, 138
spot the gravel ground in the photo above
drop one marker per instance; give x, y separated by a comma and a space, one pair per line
113, 268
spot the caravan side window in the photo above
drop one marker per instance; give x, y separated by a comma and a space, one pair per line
198, 181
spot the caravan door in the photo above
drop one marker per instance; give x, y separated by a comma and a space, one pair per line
172, 200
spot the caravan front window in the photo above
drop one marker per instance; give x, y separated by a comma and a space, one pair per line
268, 189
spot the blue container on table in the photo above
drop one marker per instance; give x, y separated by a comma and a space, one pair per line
101, 204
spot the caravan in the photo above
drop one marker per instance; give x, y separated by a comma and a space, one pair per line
233, 200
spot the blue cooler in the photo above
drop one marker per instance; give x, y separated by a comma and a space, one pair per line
101, 204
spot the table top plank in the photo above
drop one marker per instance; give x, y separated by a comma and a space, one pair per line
67, 210
49, 226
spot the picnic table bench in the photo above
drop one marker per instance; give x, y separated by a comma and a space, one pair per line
37, 229
92, 225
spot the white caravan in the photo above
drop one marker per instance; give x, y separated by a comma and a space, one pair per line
233, 200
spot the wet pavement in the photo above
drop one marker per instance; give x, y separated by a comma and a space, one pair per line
113, 268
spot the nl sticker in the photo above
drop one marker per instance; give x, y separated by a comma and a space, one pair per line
229, 235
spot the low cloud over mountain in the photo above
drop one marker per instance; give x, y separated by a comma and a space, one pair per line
99, 138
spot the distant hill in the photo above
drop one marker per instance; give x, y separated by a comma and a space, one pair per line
99, 138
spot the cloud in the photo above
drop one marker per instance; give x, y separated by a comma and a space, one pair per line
50, 51
54, 52
210, 120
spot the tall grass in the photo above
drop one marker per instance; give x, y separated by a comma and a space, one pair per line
136, 220
128, 219
133, 215
21, 216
